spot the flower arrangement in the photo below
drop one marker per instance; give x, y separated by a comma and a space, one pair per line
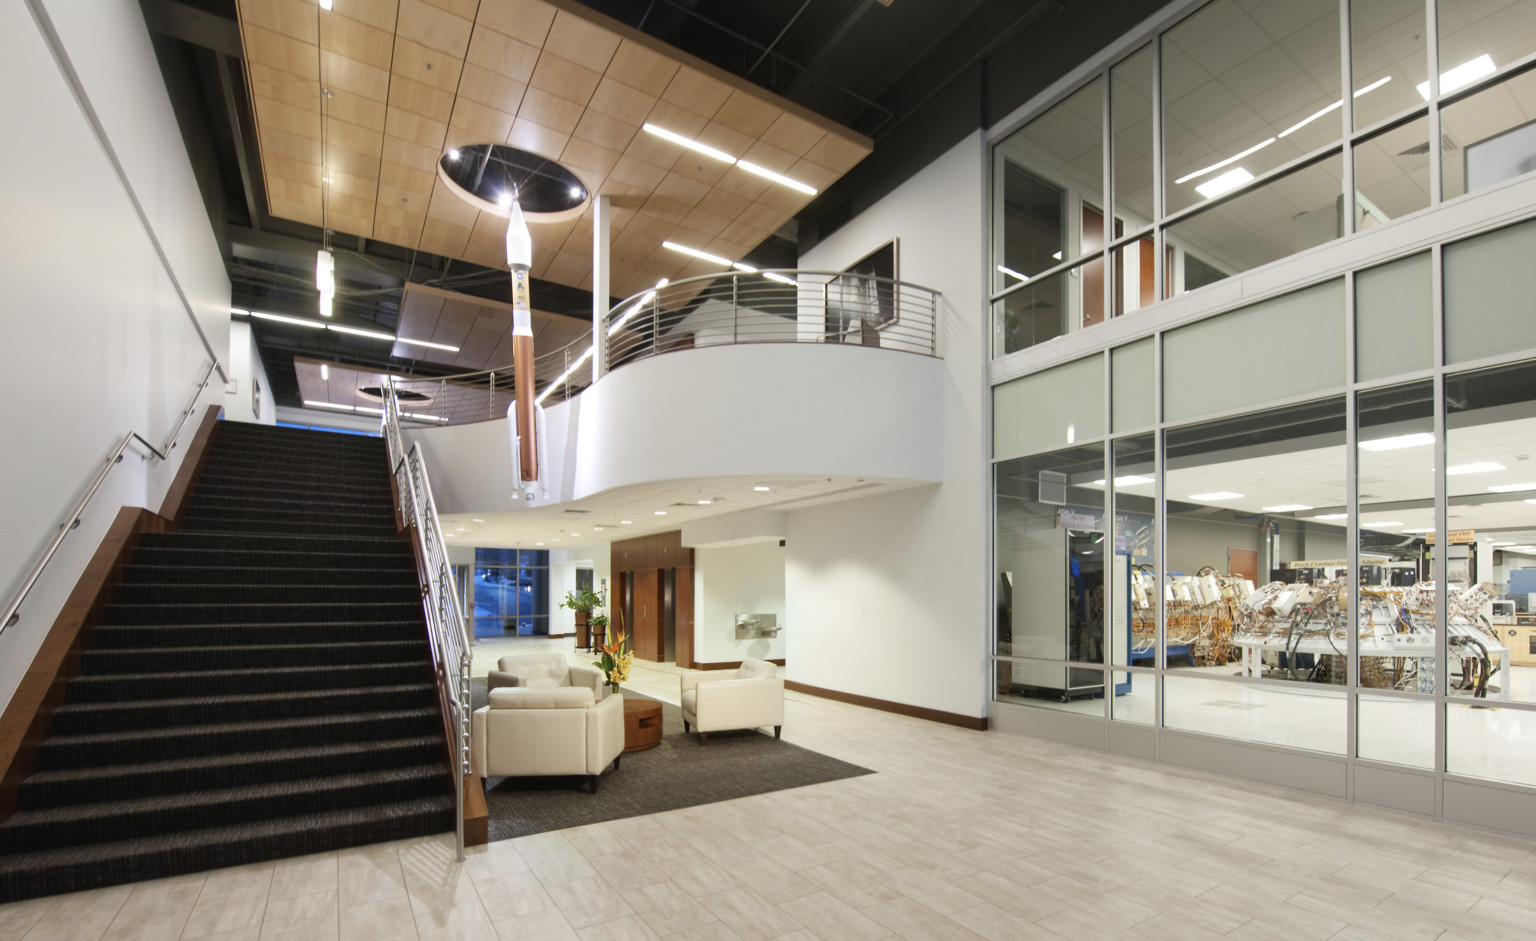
616, 660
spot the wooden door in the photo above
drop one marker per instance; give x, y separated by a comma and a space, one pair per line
682, 607
1244, 562
648, 639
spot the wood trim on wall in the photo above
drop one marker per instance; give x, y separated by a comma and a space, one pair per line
724, 665
28, 718
197, 452
978, 723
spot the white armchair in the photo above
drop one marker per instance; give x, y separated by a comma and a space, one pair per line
556, 730
750, 698
543, 671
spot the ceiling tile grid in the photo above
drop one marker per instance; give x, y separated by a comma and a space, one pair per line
407, 81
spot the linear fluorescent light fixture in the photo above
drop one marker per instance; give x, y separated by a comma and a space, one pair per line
1332, 516
315, 325
774, 276
418, 416
635, 308
1397, 442
1129, 480
1463, 74
1217, 495
435, 346
682, 141
1287, 508
743, 266
1512, 488
1225, 163
1425, 529
239, 312
1011, 273
1380, 523
339, 408
780, 178
325, 372
1480, 467
560, 379
1225, 183
1310, 118
722, 262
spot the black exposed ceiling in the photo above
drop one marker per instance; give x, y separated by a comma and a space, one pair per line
915, 75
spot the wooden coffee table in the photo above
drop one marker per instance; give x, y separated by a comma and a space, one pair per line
642, 724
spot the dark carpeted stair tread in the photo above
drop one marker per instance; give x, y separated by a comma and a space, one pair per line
249, 484
293, 502
194, 712
109, 662
168, 813
121, 687
257, 633
275, 542
151, 613
71, 869
387, 571
272, 593
194, 522
43, 787
142, 742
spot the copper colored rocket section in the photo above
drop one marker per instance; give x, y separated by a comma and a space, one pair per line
522, 377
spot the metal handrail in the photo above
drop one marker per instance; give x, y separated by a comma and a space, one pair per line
446, 627
72, 520
783, 306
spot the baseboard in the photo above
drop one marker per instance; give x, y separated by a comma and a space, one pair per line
977, 723
28, 718
724, 664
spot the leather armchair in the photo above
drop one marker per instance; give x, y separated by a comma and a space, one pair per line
750, 698
543, 671
551, 731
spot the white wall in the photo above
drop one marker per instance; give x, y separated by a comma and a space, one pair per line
102, 341
737, 580
887, 596
245, 367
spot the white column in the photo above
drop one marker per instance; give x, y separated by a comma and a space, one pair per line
600, 249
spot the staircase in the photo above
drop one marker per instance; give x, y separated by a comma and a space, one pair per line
260, 687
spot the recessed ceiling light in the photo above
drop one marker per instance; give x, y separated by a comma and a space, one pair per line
1217, 495
576, 192
1512, 488
504, 200
692, 145
768, 174
476, 519
1287, 508
458, 529
597, 529
624, 522
1225, 183
326, 4
661, 512
722, 262
1398, 441
435, 346
575, 534
702, 502
1480, 467
1452, 79
1332, 516
538, 543
762, 489
293, 320
453, 154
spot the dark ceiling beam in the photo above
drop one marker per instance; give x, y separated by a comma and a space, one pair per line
191, 25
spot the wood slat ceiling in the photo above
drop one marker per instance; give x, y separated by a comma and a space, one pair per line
410, 79
481, 328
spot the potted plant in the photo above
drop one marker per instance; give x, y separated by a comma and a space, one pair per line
582, 601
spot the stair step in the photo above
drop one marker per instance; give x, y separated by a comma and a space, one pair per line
130, 636
189, 711
140, 745
109, 661
250, 432
151, 593
71, 869
195, 521
293, 501
139, 687
157, 815
245, 613
398, 571
83, 785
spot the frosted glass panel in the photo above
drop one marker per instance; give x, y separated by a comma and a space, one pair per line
1490, 294
1050, 409
1276, 349
1393, 329
1132, 376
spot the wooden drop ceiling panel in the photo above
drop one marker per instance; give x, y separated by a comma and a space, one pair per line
482, 329
406, 80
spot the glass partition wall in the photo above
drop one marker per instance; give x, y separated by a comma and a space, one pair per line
1308, 523
1228, 142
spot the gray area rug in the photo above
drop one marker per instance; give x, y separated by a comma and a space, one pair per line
677, 773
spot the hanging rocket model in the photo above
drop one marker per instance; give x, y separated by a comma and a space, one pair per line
526, 417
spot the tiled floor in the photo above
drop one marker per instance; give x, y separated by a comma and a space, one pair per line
960, 835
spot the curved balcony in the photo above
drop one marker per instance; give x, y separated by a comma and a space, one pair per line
778, 306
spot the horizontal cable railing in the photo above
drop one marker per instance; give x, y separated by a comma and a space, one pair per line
786, 306
783, 306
